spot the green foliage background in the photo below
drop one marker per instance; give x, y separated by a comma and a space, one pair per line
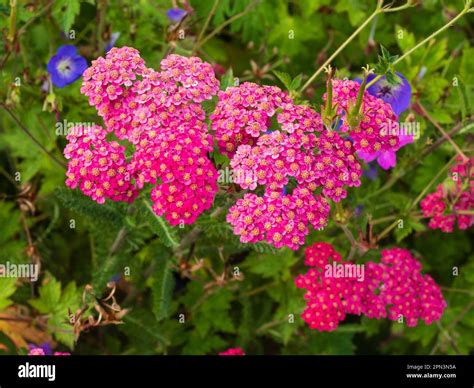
166, 274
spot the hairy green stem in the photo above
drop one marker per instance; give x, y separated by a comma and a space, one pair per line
226, 23
378, 10
428, 186
206, 24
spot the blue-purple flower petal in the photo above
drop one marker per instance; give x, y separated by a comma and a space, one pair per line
398, 96
175, 14
66, 66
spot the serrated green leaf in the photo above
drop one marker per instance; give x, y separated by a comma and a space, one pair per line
7, 289
77, 202
285, 78
227, 79
162, 289
66, 11
162, 229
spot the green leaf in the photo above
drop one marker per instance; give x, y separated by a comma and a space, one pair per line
214, 314
409, 226
57, 305
144, 332
7, 289
162, 229
104, 214
405, 39
220, 159
260, 247
356, 10
162, 289
10, 221
334, 343
227, 79
49, 296
385, 66
66, 11
296, 82
271, 265
285, 78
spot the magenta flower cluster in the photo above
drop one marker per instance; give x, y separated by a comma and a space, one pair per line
98, 167
393, 289
286, 149
452, 200
232, 352
291, 163
373, 134
160, 113
41, 352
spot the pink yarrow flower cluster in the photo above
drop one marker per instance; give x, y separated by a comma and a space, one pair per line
233, 352
98, 167
393, 288
282, 147
453, 200
160, 113
372, 134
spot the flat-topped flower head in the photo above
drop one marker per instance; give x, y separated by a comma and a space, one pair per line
160, 113
398, 97
371, 134
284, 149
395, 289
453, 200
98, 167
279, 219
243, 113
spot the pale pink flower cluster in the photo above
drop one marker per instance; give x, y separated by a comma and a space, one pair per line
393, 288
161, 115
377, 117
275, 144
453, 200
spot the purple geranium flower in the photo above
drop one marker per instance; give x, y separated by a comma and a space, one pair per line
66, 66
175, 14
398, 96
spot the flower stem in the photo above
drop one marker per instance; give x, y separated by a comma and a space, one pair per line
31, 136
11, 31
443, 132
428, 186
206, 24
226, 23
342, 46
378, 10
426, 40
